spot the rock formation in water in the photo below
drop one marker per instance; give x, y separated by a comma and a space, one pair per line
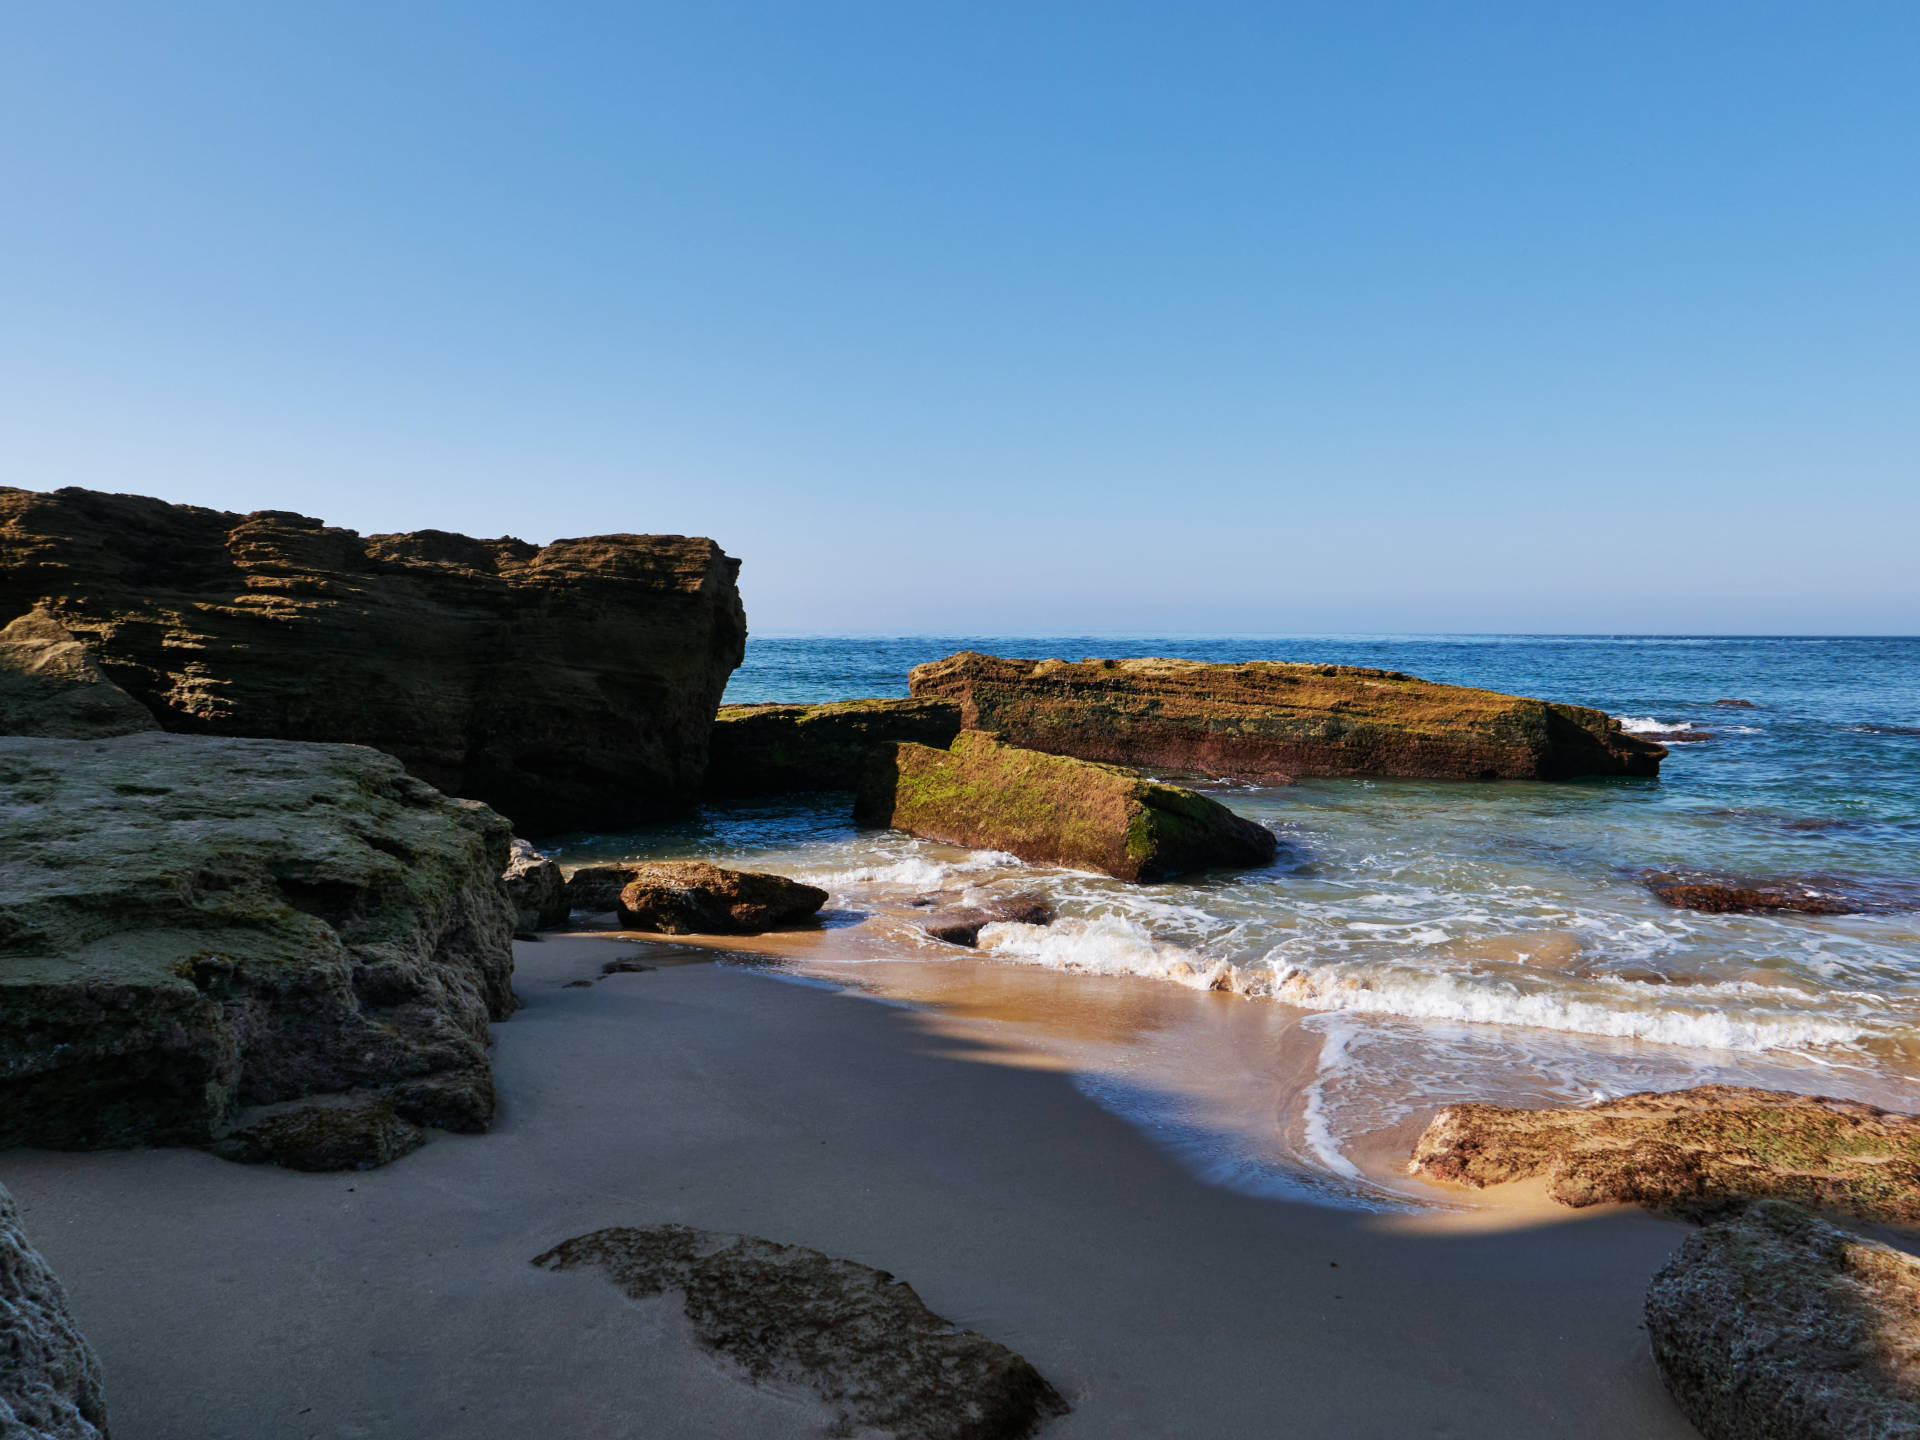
859, 1339
537, 889
1267, 721
691, 897
193, 925
566, 685
50, 1387
1770, 1324
1053, 810
1689, 1151
1727, 895
950, 919
773, 749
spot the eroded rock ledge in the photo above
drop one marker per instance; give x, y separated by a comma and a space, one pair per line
772, 749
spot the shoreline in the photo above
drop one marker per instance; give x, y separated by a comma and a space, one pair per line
248, 1301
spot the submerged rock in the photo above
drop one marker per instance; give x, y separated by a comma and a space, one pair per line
536, 888
859, 1339
768, 749
50, 1386
1267, 721
1770, 1324
567, 685
1731, 896
691, 897
961, 924
1737, 704
191, 925
1689, 1150
1053, 810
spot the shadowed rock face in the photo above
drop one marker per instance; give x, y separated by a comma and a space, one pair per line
566, 686
856, 1337
1053, 810
193, 925
1689, 1150
49, 1377
537, 889
771, 749
1267, 721
1773, 1325
691, 897
50, 686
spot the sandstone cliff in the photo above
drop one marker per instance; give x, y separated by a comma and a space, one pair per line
566, 685
1267, 721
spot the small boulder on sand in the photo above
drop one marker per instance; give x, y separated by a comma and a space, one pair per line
691, 897
537, 889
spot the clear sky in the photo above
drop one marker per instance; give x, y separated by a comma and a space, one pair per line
1029, 316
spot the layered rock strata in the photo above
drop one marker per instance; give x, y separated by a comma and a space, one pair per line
195, 926
1053, 810
1268, 721
537, 889
772, 749
566, 685
50, 1384
856, 1337
50, 686
1770, 1324
1689, 1151
691, 897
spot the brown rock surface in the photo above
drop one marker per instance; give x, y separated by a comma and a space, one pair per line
1731, 896
1770, 1324
1689, 1150
565, 685
855, 1336
691, 897
768, 749
595, 889
1267, 721
1054, 810
50, 1386
959, 924
50, 686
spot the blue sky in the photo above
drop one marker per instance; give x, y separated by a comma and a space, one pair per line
1006, 317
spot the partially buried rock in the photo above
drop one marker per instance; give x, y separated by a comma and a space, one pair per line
1771, 1324
1732, 896
691, 897
856, 1337
330, 1132
595, 889
772, 749
1689, 1151
50, 1386
962, 924
1053, 810
536, 887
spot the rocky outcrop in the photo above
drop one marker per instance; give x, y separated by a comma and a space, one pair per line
1267, 721
771, 749
1053, 810
50, 686
691, 897
566, 685
537, 889
1773, 1325
1689, 1151
859, 1339
50, 1387
958, 923
595, 889
193, 925
1735, 896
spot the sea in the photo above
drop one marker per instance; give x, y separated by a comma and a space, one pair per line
1417, 942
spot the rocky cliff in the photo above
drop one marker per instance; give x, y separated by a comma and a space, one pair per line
1268, 721
567, 685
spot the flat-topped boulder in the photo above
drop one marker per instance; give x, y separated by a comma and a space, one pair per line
1269, 721
193, 927
566, 685
1771, 1324
1055, 810
773, 749
1689, 1151
50, 1385
691, 897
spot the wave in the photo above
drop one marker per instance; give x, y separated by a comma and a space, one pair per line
1647, 725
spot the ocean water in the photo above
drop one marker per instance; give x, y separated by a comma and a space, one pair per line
1443, 941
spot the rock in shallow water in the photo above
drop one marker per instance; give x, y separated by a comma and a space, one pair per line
1773, 1325
50, 1385
772, 749
858, 1338
1689, 1150
691, 897
1729, 896
961, 924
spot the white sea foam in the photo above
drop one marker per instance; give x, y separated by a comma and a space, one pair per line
1647, 725
914, 871
1104, 945
1319, 1132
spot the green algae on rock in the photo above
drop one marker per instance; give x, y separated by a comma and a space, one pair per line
855, 1336
772, 749
1770, 1324
192, 925
1269, 721
691, 897
1689, 1151
1054, 810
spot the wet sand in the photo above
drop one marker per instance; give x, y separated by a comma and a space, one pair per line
229, 1301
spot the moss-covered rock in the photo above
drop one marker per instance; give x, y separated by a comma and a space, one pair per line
191, 925
1268, 721
1054, 810
1690, 1151
771, 749
691, 897
50, 1386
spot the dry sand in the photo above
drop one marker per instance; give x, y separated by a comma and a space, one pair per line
250, 1302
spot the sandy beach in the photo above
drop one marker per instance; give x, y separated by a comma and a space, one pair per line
229, 1301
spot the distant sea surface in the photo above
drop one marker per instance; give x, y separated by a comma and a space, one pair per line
1459, 940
